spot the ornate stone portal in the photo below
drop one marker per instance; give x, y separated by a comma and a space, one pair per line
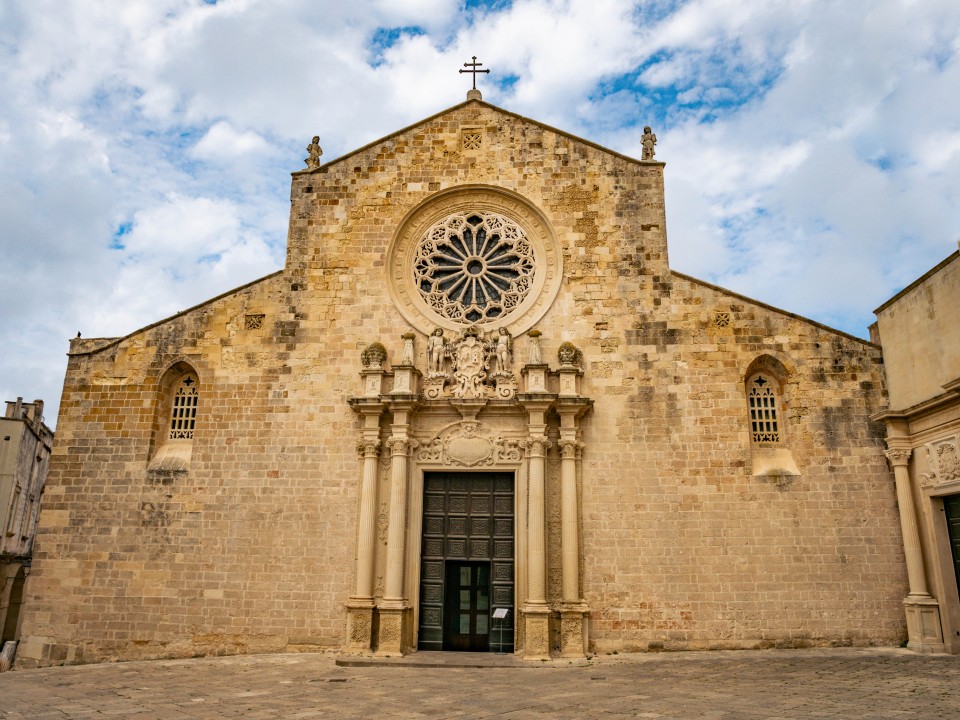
467, 411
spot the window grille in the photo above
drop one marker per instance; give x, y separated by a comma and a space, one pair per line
764, 424
183, 415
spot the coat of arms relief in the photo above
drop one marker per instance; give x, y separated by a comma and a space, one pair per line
472, 365
943, 462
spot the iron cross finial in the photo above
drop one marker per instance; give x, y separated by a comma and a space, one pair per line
473, 69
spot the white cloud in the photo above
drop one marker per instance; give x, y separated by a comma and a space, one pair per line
223, 142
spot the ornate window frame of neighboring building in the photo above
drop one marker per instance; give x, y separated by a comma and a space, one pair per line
522, 277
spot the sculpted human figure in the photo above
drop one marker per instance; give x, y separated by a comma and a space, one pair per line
503, 351
435, 351
314, 152
648, 140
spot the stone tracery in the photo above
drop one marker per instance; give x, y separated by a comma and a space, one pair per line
474, 267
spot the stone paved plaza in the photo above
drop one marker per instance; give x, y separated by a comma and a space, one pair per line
841, 683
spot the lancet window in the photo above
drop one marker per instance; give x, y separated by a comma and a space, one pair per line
183, 413
763, 405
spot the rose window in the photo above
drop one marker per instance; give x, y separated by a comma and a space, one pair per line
474, 268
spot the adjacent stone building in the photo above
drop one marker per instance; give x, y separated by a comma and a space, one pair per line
920, 336
25, 443
476, 410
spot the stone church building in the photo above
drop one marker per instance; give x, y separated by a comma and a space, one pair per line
476, 410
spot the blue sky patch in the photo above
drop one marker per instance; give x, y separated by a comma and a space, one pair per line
117, 240
385, 38
487, 5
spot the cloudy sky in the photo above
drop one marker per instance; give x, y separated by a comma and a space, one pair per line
812, 146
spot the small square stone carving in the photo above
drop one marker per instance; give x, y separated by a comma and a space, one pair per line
472, 139
253, 322
503, 571
433, 570
721, 319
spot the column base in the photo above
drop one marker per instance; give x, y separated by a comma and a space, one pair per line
536, 632
573, 630
392, 630
359, 625
924, 632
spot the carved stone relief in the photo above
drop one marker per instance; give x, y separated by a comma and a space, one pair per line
554, 527
943, 462
469, 444
474, 365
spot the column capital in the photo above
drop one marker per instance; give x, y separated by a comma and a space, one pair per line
538, 446
898, 457
569, 448
368, 448
401, 445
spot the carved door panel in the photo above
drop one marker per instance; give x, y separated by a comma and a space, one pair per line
466, 569
951, 506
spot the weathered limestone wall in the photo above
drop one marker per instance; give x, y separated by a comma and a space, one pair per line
253, 548
685, 548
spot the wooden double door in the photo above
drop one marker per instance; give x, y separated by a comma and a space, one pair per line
467, 564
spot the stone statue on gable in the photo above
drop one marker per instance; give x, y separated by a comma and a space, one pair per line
314, 151
648, 140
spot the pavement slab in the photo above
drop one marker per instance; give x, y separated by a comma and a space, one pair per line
844, 683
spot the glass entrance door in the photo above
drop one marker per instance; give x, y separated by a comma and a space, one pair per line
951, 506
467, 607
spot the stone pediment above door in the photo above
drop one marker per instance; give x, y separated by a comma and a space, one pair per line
470, 444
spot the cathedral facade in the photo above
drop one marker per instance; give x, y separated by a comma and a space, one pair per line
476, 410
